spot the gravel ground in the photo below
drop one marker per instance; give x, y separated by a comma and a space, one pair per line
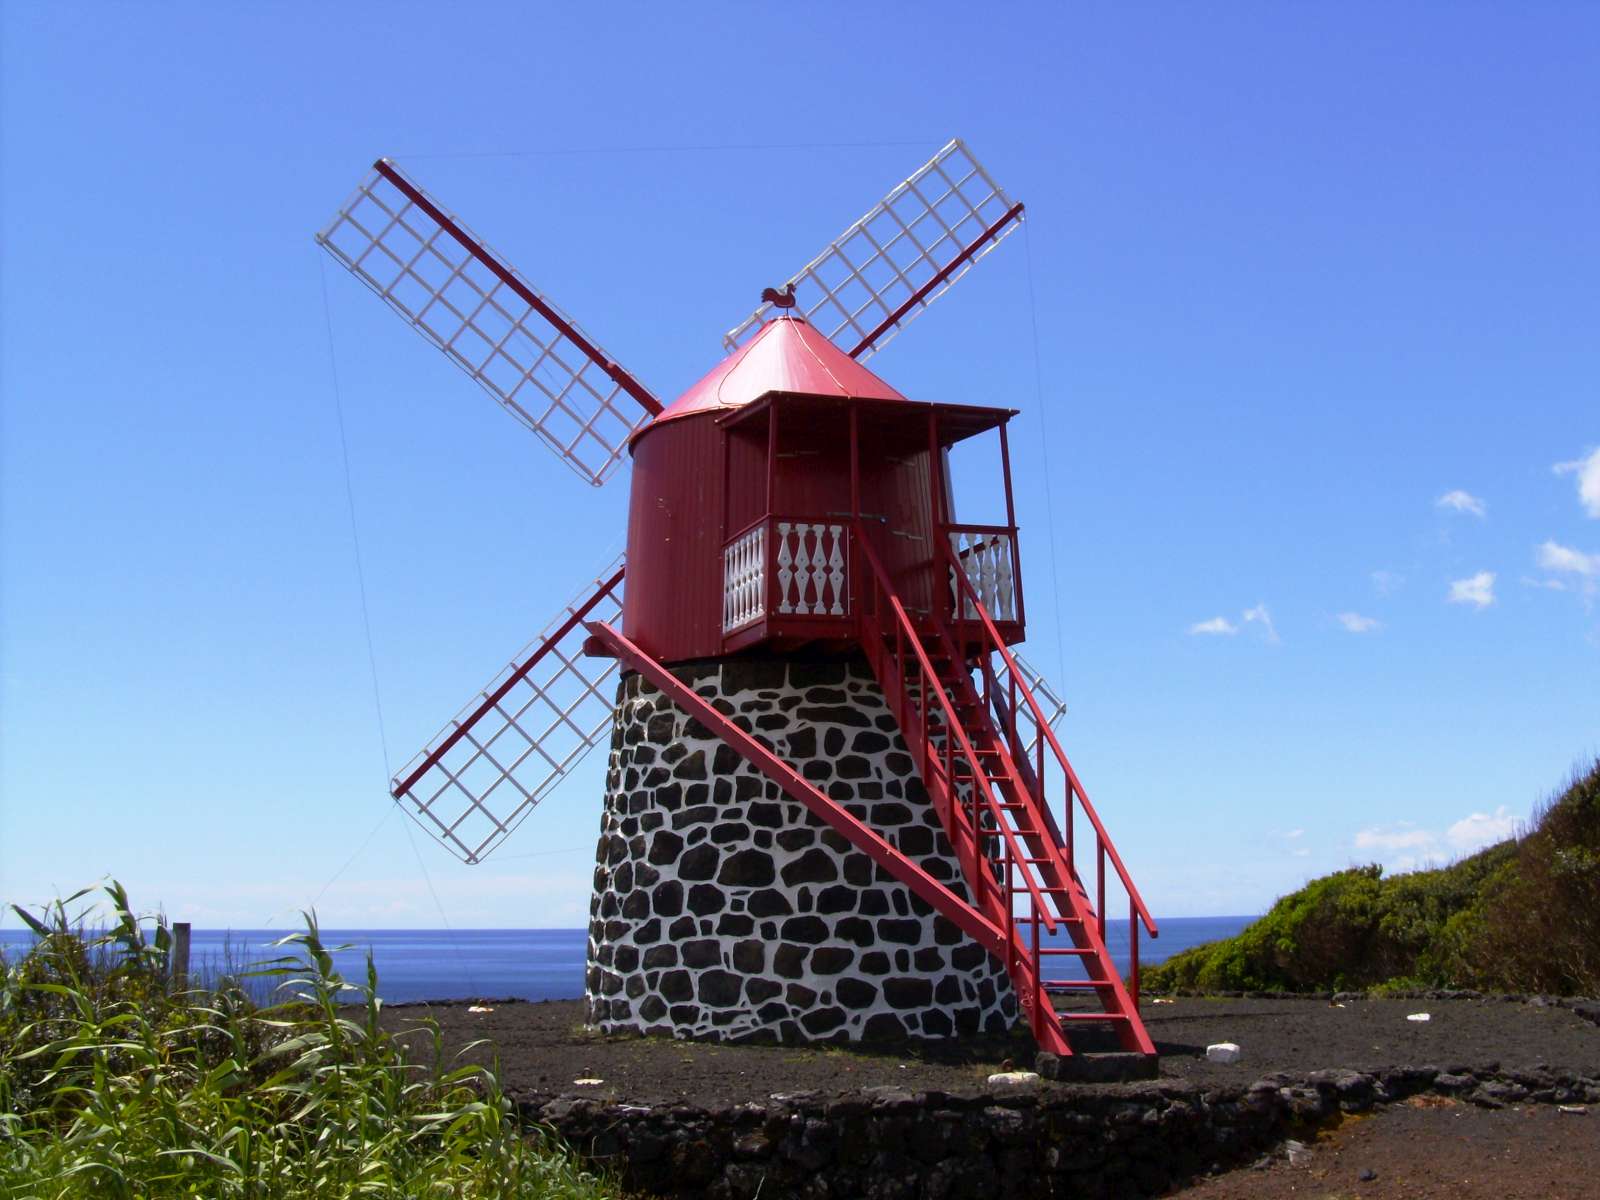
1431, 1148
543, 1048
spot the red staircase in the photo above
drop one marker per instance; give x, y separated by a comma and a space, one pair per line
1018, 862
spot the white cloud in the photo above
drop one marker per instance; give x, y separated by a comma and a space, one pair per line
1392, 838
1386, 581
1556, 557
1405, 845
1260, 614
1481, 829
1295, 833
1216, 625
1463, 502
1588, 472
1553, 585
1477, 590
1356, 623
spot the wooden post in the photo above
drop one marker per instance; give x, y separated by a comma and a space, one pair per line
178, 965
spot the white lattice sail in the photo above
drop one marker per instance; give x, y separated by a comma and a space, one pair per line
1050, 701
462, 297
516, 739
878, 275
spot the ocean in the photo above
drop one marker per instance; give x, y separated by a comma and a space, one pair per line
531, 964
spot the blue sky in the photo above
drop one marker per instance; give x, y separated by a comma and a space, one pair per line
1316, 300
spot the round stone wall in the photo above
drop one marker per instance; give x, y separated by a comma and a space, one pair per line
723, 910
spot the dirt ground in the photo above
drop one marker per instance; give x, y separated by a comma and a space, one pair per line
1431, 1148
543, 1049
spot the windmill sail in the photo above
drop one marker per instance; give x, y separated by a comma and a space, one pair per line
463, 298
514, 741
1050, 702
878, 275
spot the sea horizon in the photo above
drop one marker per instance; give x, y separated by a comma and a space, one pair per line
527, 963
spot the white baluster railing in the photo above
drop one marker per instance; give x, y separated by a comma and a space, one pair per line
986, 559
812, 576
744, 579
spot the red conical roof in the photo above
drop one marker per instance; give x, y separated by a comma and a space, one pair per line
787, 355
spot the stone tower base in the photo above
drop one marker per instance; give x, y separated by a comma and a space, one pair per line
724, 910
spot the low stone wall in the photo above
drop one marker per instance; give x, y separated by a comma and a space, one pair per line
888, 1144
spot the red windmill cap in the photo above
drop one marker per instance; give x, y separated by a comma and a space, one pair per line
786, 355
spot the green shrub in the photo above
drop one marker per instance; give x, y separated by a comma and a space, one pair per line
1522, 916
113, 1084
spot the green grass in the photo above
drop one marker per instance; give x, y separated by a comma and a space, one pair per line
1521, 916
114, 1085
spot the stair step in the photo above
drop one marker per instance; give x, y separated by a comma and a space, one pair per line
1090, 1016
1079, 951
1075, 985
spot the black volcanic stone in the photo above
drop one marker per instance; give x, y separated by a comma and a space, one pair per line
823, 1020
699, 863
766, 814
759, 990
869, 741
875, 963
808, 930
664, 955
665, 846
747, 868
676, 985
750, 956
831, 714
871, 904
836, 899
928, 959
814, 866
908, 992
734, 925
795, 839
856, 993
769, 902
726, 832
856, 930
883, 1027
802, 744
968, 957
825, 960
906, 932
853, 766
702, 952
833, 743
706, 899
667, 899
789, 961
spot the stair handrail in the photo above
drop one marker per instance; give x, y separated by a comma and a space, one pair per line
980, 779
1075, 787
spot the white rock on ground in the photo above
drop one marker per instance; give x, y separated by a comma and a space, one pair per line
1223, 1052
1014, 1080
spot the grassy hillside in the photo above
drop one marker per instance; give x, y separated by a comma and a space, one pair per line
1521, 916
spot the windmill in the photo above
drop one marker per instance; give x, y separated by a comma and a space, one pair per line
831, 802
